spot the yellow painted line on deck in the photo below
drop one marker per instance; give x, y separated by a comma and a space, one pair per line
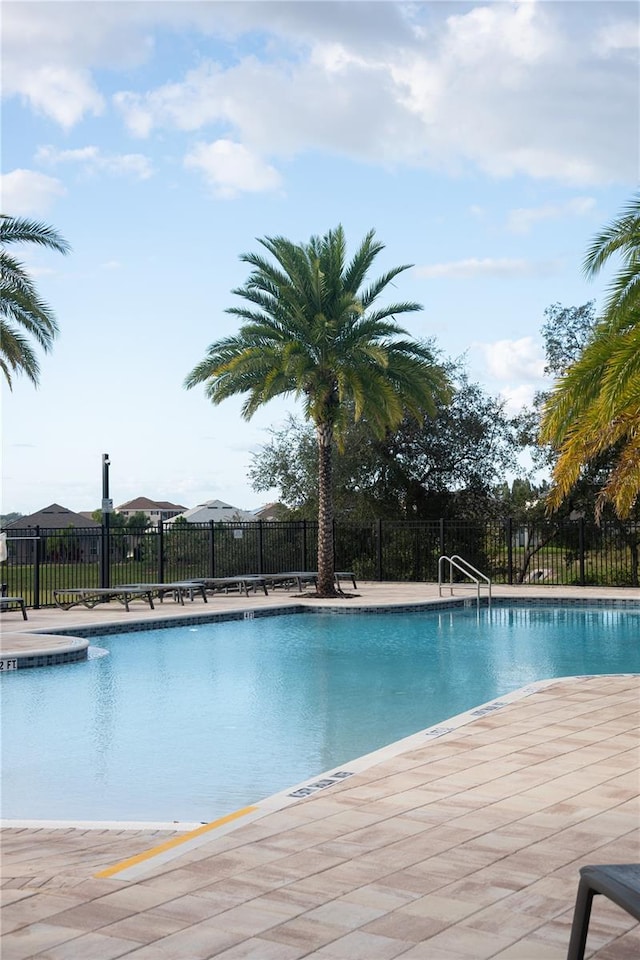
175, 842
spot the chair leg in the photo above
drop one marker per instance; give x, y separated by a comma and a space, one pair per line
580, 925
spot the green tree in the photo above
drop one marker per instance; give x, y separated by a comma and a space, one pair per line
313, 331
446, 466
138, 521
24, 316
566, 332
593, 412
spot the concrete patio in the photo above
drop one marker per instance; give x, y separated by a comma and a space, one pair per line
464, 844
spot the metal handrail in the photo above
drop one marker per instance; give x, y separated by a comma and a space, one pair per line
468, 570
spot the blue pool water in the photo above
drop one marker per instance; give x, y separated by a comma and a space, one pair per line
188, 723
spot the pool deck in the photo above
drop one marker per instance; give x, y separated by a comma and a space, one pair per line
461, 843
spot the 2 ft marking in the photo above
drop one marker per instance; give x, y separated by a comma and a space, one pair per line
8, 663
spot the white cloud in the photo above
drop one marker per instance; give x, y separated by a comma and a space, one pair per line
230, 168
50, 51
507, 88
27, 192
509, 360
487, 267
516, 367
522, 219
61, 93
623, 35
517, 397
93, 160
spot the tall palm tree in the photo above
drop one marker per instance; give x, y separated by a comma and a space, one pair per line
594, 409
23, 314
311, 330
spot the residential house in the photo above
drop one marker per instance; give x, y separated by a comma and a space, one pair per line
74, 542
215, 510
155, 510
270, 511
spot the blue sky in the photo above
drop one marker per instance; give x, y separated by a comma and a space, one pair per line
486, 143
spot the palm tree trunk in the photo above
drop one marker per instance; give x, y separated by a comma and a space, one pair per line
326, 569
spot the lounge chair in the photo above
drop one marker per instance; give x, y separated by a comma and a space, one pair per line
619, 882
345, 575
241, 584
294, 578
308, 576
179, 589
68, 597
9, 603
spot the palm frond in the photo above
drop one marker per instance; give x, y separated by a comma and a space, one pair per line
22, 310
17, 354
621, 235
23, 230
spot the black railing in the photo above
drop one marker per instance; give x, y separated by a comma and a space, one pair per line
578, 553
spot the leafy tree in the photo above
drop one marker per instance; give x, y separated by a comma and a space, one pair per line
445, 467
23, 314
621, 236
117, 521
593, 412
312, 330
566, 332
8, 518
137, 521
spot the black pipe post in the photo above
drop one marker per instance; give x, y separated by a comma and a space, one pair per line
105, 573
37, 558
212, 549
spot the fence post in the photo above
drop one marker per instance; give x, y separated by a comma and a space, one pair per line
212, 549
105, 553
36, 570
379, 549
160, 552
304, 546
510, 549
260, 547
581, 550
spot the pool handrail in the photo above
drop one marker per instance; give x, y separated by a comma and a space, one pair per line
465, 568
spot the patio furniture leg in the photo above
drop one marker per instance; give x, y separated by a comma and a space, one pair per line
580, 926
618, 882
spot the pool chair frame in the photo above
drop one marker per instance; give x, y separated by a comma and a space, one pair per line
229, 584
13, 603
619, 882
68, 597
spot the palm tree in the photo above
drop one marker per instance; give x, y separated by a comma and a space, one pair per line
593, 412
312, 331
621, 236
23, 313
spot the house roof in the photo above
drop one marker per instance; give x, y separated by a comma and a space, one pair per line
55, 517
269, 511
144, 503
215, 510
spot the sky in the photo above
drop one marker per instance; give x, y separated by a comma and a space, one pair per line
486, 144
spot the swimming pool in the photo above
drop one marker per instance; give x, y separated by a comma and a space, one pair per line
191, 722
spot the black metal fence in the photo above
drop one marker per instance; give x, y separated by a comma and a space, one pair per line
580, 553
